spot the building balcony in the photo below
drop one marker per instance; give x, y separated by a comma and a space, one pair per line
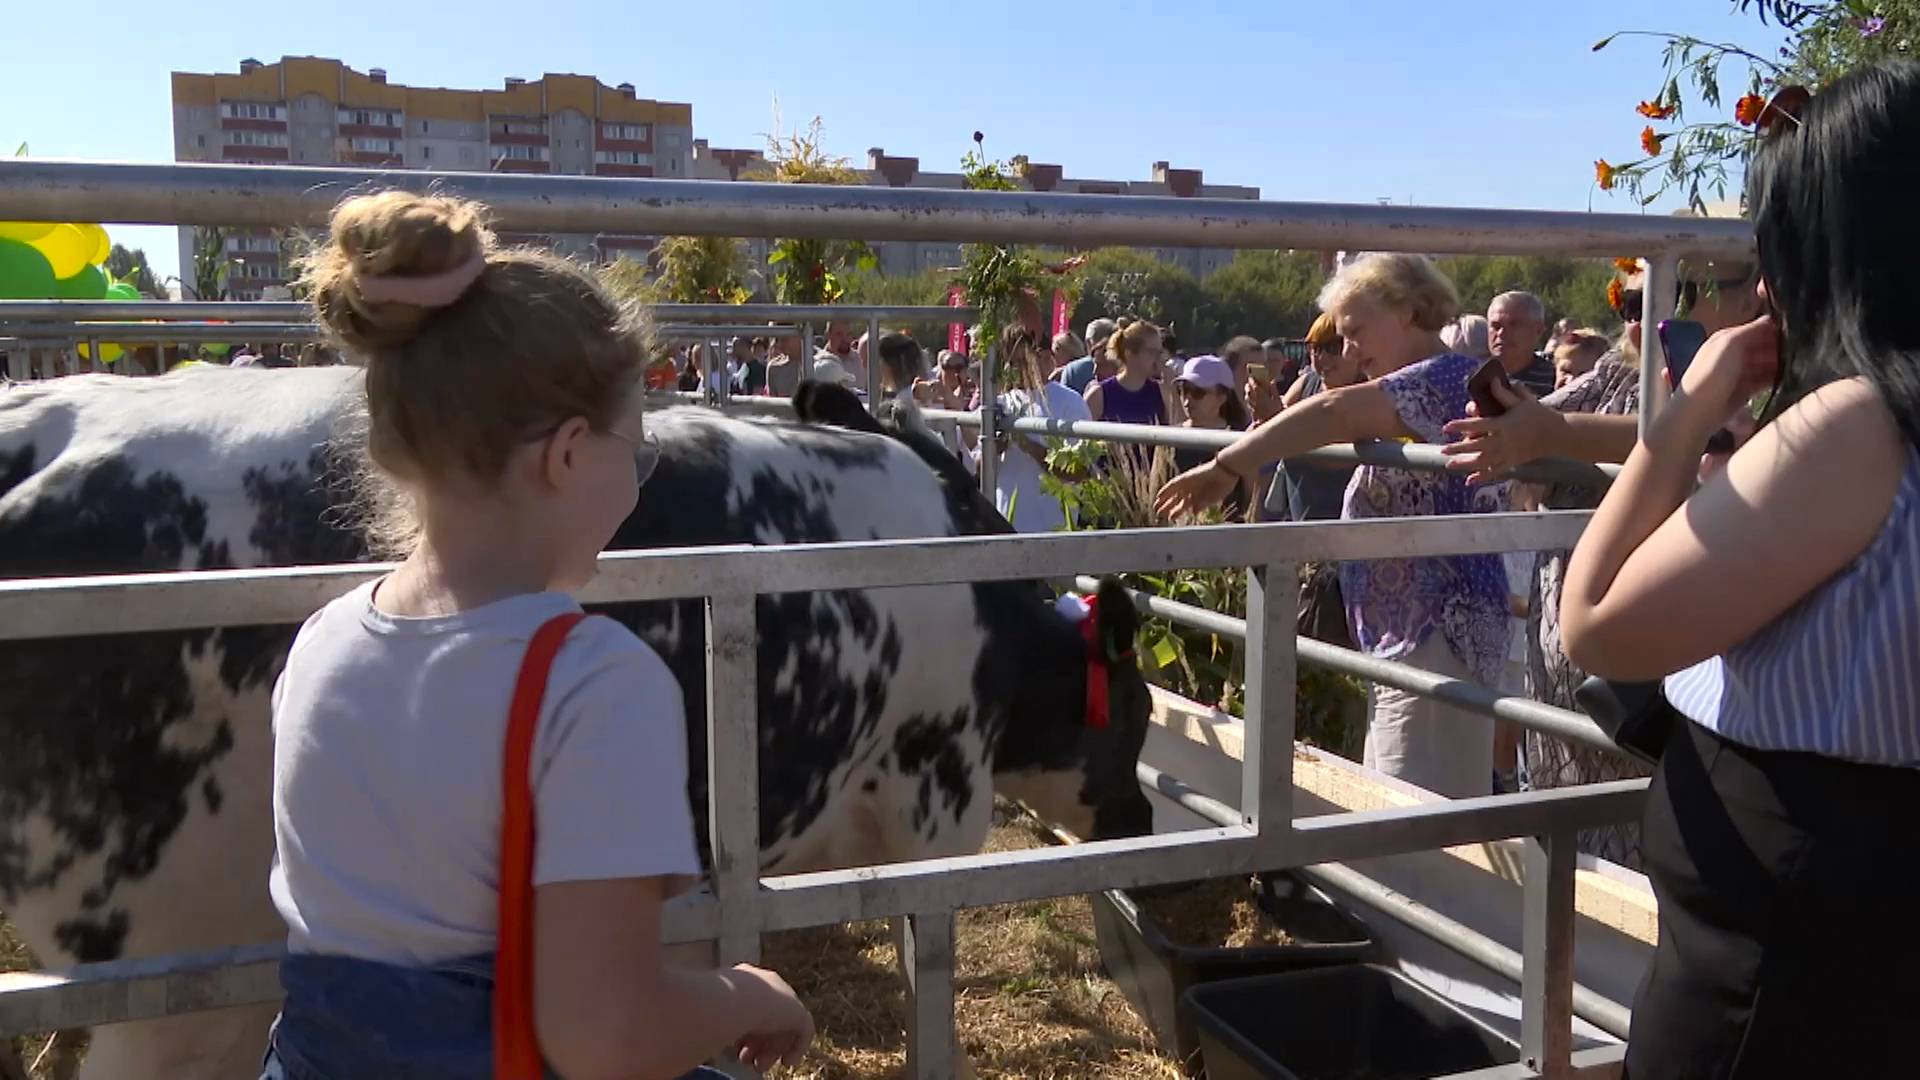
373, 157
643, 146
371, 131
254, 155
518, 165
241, 123
516, 138
605, 169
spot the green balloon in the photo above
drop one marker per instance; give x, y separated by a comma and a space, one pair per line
120, 290
25, 274
88, 284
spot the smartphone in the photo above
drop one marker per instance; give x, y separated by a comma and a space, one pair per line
1480, 388
1681, 340
1259, 373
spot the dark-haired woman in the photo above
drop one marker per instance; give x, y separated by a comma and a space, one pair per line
1784, 590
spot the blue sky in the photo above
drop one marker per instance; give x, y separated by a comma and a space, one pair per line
1471, 103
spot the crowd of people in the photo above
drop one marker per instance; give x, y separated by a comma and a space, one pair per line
1772, 583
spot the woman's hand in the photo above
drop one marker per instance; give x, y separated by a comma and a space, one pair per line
1195, 490
1491, 445
1733, 366
1263, 398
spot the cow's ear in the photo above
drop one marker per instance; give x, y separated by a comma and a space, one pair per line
1119, 622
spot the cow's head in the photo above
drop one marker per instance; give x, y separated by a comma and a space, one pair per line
1078, 720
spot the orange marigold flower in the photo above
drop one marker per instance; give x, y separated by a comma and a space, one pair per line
1650, 141
1603, 174
1615, 294
1627, 266
1748, 109
1653, 110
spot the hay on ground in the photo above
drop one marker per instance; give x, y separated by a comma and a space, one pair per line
1030, 999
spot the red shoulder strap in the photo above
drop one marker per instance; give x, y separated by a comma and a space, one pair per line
516, 1051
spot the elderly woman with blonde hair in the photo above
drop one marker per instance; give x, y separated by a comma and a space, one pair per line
1447, 615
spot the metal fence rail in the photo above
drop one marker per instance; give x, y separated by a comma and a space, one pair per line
12, 311
279, 195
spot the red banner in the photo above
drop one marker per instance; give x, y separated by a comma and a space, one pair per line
956, 332
1060, 312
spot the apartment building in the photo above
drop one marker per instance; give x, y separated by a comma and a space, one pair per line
314, 111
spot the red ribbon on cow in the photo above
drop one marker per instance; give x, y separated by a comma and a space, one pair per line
1098, 714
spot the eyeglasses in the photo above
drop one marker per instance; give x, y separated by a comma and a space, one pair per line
646, 448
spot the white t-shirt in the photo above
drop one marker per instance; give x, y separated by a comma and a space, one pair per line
388, 743
1017, 484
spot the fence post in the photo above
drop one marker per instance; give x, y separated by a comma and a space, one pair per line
1266, 784
873, 362
927, 958
1659, 296
989, 456
1546, 966
733, 772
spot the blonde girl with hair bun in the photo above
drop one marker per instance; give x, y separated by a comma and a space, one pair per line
503, 402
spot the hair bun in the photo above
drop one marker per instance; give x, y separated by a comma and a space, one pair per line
388, 237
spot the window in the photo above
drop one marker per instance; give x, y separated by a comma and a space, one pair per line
425, 127
256, 138
252, 110
426, 153
376, 146
519, 127
369, 117
200, 141
622, 157
579, 144
629, 132
520, 153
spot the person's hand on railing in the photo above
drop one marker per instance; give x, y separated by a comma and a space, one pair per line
1196, 489
1489, 446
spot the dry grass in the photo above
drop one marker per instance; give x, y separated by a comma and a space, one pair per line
27, 1048
1031, 1001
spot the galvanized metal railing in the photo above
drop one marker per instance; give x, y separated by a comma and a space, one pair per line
742, 905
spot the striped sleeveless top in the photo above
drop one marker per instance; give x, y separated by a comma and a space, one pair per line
1839, 673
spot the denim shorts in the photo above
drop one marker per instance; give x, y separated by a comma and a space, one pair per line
345, 1018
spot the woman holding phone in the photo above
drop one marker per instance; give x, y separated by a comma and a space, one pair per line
1784, 591
1446, 615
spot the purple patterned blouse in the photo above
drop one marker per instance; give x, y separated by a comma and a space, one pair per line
1393, 604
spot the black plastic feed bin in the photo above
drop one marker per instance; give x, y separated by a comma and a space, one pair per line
1154, 972
1358, 1022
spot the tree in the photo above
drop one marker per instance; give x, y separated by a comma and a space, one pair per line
810, 271
1570, 288
130, 266
928, 288
1262, 293
1123, 281
1697, 157
702, 270
629, 279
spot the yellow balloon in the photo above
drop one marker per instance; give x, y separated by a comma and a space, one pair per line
109, 352
25, 231
102, 246
67, 248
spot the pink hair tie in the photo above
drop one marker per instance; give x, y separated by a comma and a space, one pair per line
427, 290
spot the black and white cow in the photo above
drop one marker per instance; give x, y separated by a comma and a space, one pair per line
135, 769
